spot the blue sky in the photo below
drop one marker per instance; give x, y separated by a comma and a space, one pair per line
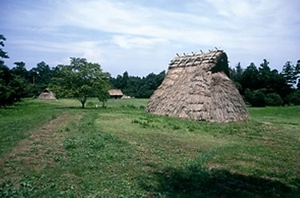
142, 36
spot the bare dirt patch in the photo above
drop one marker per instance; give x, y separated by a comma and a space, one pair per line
43, 149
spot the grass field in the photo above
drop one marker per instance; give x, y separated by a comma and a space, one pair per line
57, 149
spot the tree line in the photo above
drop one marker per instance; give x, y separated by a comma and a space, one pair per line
259, 86
80, 79
137, 87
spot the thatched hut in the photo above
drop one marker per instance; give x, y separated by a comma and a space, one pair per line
47, 95
197, 87
115, 93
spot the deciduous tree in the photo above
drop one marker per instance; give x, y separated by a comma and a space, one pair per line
80, 79
11, 85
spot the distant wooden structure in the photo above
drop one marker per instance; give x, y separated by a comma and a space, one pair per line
47, 95
198, 87
115, 93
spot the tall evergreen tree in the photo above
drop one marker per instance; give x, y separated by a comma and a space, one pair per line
250, 78
290, 72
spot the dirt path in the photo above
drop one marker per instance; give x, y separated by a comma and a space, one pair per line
43, 149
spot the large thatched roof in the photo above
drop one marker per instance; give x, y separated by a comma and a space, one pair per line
197, 87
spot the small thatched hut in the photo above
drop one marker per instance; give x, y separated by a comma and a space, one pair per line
115, 93
197, 87
47, 95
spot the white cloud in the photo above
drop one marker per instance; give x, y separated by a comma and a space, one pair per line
137, 42
101, 30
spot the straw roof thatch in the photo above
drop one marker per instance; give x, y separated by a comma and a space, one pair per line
115, 93
47, 95
197, 87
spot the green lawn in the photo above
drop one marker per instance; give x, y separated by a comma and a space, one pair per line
57, 149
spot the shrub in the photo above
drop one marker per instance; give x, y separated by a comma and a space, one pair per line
273, 99
248, 96
258, 98
294, 98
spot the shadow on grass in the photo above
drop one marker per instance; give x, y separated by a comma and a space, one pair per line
196, 181
70, 107
80, 108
